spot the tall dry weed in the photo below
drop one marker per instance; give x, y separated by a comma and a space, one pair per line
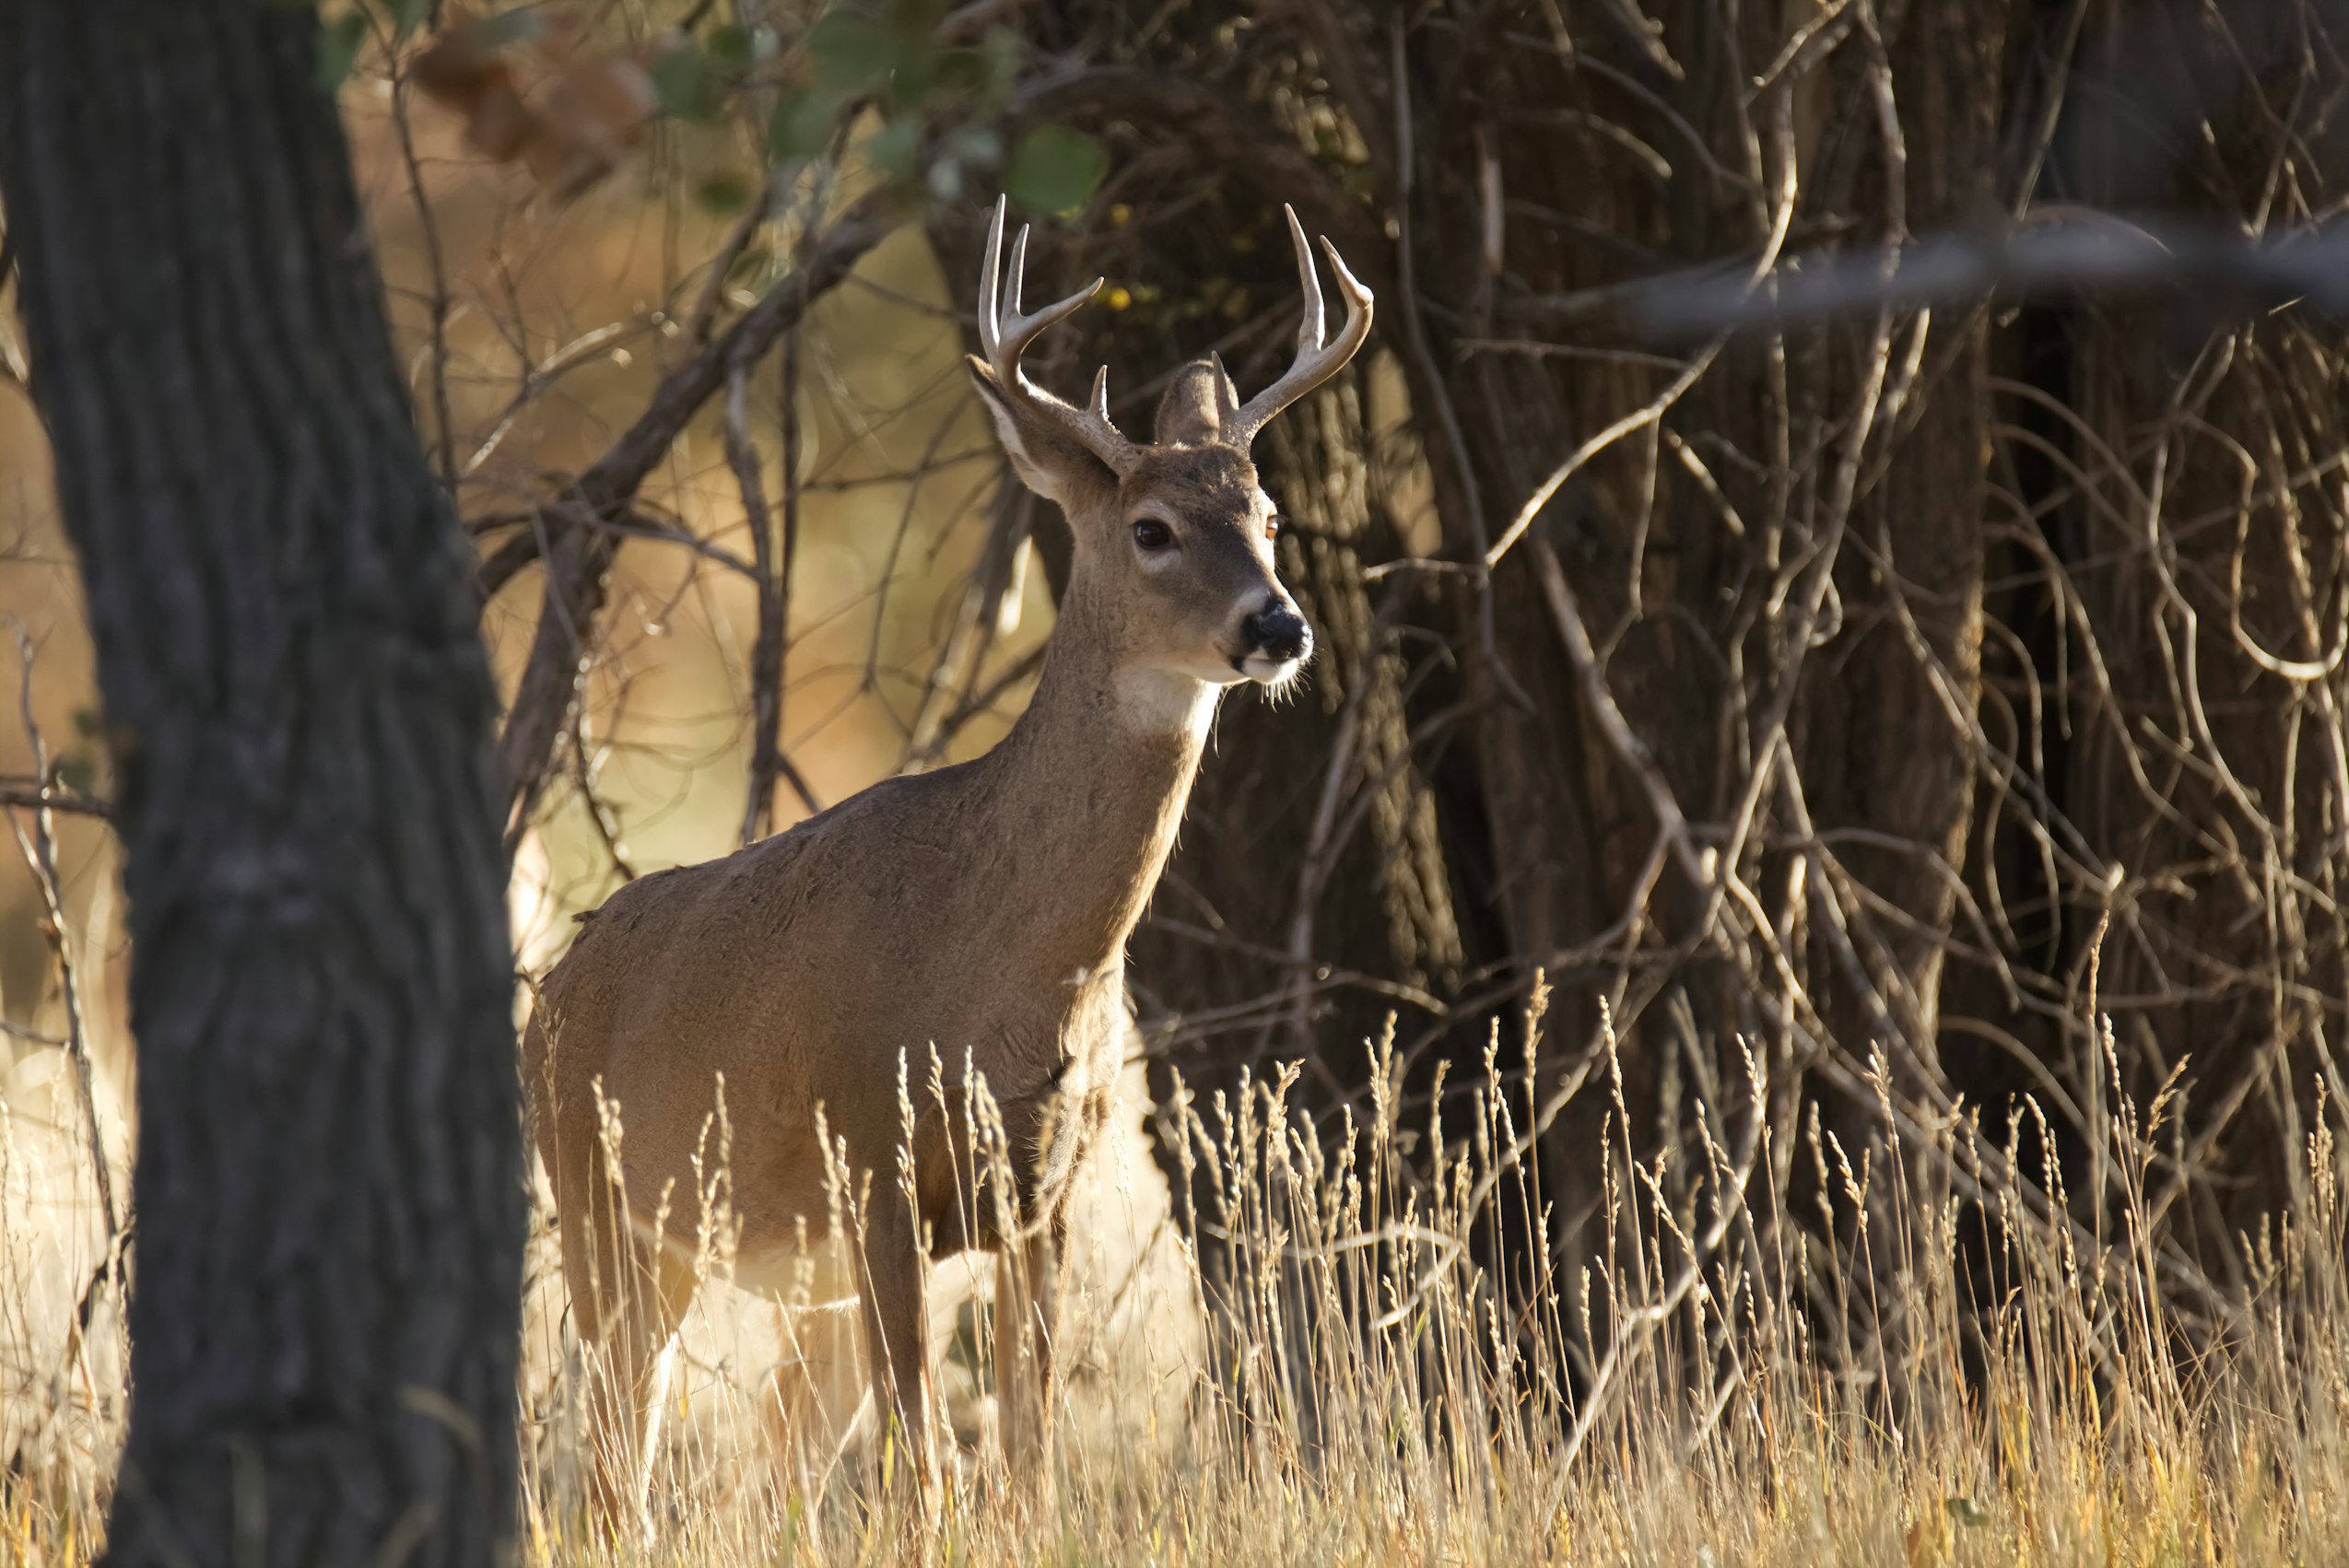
1372, 1362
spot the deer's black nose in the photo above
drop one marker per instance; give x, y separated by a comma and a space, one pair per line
1277, 633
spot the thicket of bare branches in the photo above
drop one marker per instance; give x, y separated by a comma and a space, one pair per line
1932, 671
1736, 610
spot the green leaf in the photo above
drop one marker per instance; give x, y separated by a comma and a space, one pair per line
916, 17
1000, 48
909, 86
982, 76
682, 81
724, 192
730, 49
893, 147
506, 28
853, 52
77, 772
338, 44
975, 80
409, 15
803, 124
1055, 169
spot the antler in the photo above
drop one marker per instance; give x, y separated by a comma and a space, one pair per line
1004, 333
1316, 361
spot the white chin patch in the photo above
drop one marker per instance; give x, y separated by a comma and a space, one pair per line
1267, 670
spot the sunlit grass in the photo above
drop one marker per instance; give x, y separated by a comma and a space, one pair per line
1725, 1388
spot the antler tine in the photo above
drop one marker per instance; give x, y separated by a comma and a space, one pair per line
1005, 333
1316, 362
989, 269
1019, 266
1309, 321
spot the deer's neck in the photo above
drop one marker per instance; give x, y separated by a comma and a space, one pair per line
1093, 780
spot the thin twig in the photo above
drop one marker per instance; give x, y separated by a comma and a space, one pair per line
41, 857
444, 435
772, 646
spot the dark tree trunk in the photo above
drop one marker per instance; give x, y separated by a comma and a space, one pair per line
325, 1324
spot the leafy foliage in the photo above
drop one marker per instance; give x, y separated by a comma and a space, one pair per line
338, 46
922, 106
1054, 168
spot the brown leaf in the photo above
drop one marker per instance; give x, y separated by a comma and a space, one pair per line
590, 112
596, 108
462, 71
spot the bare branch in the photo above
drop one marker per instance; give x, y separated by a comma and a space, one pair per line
580, 558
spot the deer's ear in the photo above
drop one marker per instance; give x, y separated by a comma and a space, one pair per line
1046, 460
1199, 406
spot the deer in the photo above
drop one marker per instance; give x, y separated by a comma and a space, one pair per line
961, 924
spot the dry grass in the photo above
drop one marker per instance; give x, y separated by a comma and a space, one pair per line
1723, 1388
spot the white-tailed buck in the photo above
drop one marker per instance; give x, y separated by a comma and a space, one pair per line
980, 911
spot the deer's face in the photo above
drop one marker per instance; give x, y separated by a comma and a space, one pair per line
1186, 553
1174, 539
1175, 555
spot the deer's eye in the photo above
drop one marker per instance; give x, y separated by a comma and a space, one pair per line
1151, 535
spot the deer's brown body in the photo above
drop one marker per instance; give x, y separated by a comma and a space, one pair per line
980, 911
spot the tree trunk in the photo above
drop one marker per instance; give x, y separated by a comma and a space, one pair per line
324, 1327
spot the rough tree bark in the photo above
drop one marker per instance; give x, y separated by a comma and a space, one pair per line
325, 1323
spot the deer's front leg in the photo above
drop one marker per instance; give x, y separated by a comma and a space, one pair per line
1027, 1291
896, 1343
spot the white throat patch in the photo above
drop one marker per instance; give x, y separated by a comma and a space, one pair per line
1167, 702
